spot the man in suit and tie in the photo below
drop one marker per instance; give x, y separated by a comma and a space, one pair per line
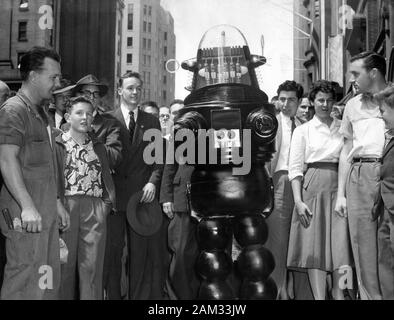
145, 254
289, 95
384, 204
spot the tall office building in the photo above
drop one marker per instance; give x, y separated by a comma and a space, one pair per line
91, 41
24, 24
149, 44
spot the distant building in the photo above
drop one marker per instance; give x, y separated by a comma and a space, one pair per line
23, 24
349, 27
90, 41
149, 43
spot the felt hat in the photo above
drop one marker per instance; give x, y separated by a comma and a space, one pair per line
144, 218
91, 80
64, 90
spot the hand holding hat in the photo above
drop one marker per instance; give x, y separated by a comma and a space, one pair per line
149, 192
144, 218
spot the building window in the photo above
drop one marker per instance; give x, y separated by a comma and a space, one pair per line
317, 8
145, 7
149, 27
164, 79
165, 50
148, 78
150, 11
149, 61
144, 43
129, 41
149, 44
24, 5
129, 58
148, 94
130, 21
130, 10
144, 26
165, 65
22, 31
165, 35
164, 95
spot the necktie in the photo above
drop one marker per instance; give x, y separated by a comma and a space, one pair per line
131, 124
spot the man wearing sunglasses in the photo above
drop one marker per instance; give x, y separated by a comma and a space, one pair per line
106, 129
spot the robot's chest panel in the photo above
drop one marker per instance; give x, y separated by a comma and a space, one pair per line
227, 125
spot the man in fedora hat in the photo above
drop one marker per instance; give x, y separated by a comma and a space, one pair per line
56, 110
106, 129
145, 251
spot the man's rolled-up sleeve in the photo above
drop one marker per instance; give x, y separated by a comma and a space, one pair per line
346, 128
12, 127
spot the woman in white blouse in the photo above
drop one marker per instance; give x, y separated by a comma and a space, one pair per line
319, 240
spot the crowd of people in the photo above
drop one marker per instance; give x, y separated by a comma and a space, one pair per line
78, 198
332, 179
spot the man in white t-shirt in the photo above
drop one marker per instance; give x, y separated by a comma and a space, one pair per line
359, 167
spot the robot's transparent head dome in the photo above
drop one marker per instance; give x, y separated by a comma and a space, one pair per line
222, 36
222, 57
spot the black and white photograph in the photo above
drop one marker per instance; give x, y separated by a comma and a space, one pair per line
197, 154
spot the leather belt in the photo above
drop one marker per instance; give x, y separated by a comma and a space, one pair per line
370, 160
322, 165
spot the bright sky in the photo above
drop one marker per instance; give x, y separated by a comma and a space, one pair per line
253, 17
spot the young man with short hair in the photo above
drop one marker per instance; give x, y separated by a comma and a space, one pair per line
106, 129
87, 190
359, 168
289, 95
146, 272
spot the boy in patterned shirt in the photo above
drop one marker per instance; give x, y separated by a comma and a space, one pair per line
87, 190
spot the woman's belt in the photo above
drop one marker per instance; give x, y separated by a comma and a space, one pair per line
323, 165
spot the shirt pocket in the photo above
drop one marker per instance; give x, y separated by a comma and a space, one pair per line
37, 153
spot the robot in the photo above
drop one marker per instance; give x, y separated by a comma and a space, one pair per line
226, 101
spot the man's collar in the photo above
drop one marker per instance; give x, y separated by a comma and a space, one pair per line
126, 111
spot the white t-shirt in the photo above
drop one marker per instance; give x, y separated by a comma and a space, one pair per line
362, 122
